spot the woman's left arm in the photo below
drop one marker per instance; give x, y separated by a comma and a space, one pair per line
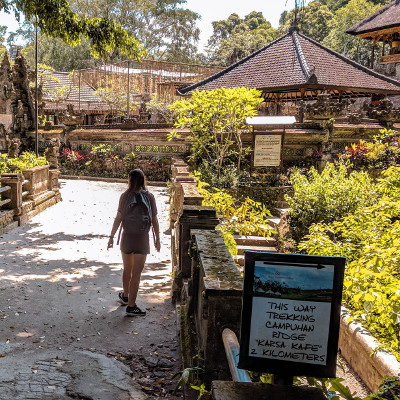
156, 227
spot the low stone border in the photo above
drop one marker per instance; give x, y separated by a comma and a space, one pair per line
111, 180
360, 349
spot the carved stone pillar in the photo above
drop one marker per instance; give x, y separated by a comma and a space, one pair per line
14, 181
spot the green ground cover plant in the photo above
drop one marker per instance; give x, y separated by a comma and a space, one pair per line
17, 164
244, 217
107, 161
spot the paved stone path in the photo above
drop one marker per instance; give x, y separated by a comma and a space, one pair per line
62, 333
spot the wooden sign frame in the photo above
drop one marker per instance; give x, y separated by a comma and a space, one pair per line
271, 132
295, 332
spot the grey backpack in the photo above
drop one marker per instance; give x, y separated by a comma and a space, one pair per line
137, 214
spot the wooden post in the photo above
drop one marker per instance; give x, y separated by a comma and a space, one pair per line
373, 54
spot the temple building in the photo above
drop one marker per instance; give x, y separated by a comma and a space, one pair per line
383, 26
295, 67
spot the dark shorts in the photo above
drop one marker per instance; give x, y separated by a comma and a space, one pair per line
135, 243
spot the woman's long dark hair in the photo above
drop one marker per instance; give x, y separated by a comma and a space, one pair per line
136, 180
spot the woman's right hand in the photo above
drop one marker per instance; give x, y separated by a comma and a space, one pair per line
110, 244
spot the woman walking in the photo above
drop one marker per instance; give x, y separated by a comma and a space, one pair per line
137, 212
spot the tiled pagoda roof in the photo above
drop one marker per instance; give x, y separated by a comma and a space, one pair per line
295, 67
385, 18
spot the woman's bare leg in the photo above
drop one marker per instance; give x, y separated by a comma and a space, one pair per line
136, 271
127, 260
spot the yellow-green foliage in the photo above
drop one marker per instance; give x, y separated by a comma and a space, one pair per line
246, 217
216, 119
17, 164
370, 239
327, 196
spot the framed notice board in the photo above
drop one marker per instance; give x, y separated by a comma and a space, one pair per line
268, 149
291, 314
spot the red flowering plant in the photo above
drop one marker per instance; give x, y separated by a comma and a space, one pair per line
107, 161
381, 153
73, 160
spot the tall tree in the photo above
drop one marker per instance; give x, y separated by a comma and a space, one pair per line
167, 30
335, 5
236, 38
313, 20
55, 18
59, 55
357, 49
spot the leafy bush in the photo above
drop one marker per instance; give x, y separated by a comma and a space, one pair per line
228, 178
242, 217
17, 164
389, 390
327, 196
106, 161
370, 239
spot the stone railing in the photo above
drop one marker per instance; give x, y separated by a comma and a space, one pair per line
25, 195
207, 283
214, 299
186, 213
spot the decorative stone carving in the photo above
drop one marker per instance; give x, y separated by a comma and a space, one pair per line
22, 105
52, 151
354, 118
13, 146
5, 85
324, 108
70, 117
384, 112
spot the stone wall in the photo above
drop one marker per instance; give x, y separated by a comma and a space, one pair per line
27, 194
314, 142
141, 141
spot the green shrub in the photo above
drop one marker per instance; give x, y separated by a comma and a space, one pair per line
327, 196
370, 239
17, 164
106, 161
242, 217
389, 390
228, 178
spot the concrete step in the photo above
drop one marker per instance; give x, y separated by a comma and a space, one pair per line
281, 211
282, 204
241, 248
273, 221
253, 240
240, 257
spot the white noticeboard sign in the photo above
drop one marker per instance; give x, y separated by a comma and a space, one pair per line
293, 329
267, 150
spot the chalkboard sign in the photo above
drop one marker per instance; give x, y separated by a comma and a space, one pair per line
291, 314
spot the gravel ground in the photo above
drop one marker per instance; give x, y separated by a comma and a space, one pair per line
59, 288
